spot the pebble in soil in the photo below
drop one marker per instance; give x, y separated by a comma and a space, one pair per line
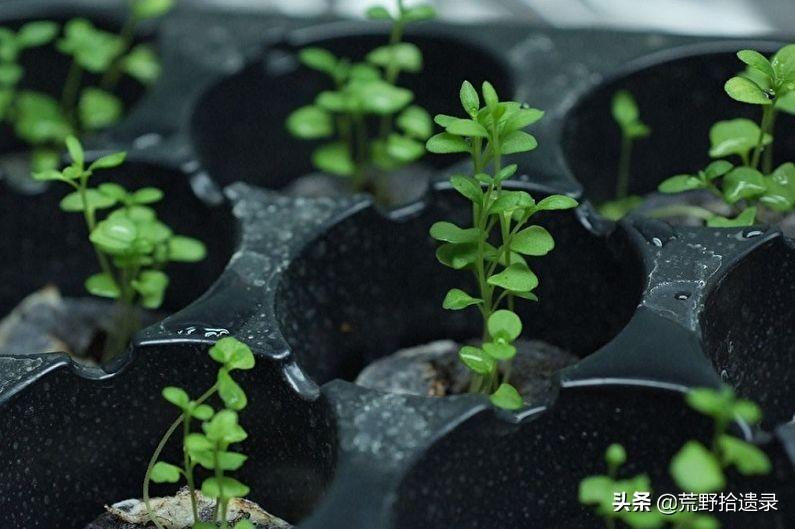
175, 512
435, 370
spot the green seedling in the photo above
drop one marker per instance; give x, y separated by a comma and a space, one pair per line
496, 246
627, 116
750, 184
210, 446
367, 121
88, 102
132, 246
696, 468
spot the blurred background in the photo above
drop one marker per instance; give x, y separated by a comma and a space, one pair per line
726, 17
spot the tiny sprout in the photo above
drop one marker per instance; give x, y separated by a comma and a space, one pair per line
501, 272
363, 91
695, 468
627, 116
210, 448
753, 184
131, 244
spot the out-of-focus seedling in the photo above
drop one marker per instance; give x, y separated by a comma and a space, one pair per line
489, 133
367, 120
627, 116
131, 244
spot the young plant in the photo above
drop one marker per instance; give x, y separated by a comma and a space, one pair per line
627, 116
132, 246
753, 184
695, 468
209, 448
494, 248
366, 97
85, 105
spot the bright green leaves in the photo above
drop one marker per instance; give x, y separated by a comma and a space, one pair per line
722, 405
102, 285
92, 48
364, 91
626, 114
745, 457
35, 34
743, 183
506, 397
151, 286
457, 299
746, 218
39, 119
147, 9
165, 473
779, 192
185, 249
210, 449
736, 137
99, 109
142, 64
744, 90
500, 269
696, 469
310, 122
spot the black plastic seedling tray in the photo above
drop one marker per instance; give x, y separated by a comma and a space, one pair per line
321, 287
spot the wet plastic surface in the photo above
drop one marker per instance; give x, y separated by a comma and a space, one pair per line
319, 287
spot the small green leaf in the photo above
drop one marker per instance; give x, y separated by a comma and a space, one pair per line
467, 187
334, 158
318, 59
310, 122
10, 74
624, 108
743, 183
151, 285
223, 427
176, 396
39, 119
507, 398
756, 60
457, 299
477, 360
518, 141
75, 150
231, 460
747, 458
617, 209
73, 202
535, 240
165, 473
467, 128
681, 183
746, 218
99, 109
381, 98
490, 96
416, 122
93, 49
747, 410
469, 99
449, 232
146, 9
596, 490
48, 175
446, 143
197, 442
203, 412
108, 162
516, 278
224, 487
102, 285
419, 13
717, 169
499, 351
147, 195
786, 103
505, 325
695, 469
735, 136
404, 149
245, 523
715, 403
457, 256
142, 64
403, 55
38, 33
185, 249
783, 63
230, 392
232, 353
615, 455
556, 202
378, 13
746, 91
521, 118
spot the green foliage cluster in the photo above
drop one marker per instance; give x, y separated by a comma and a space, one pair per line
363, 93
753, 183
131, 244
44, 122
500, 269
627, 116
695, 468
209, 448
